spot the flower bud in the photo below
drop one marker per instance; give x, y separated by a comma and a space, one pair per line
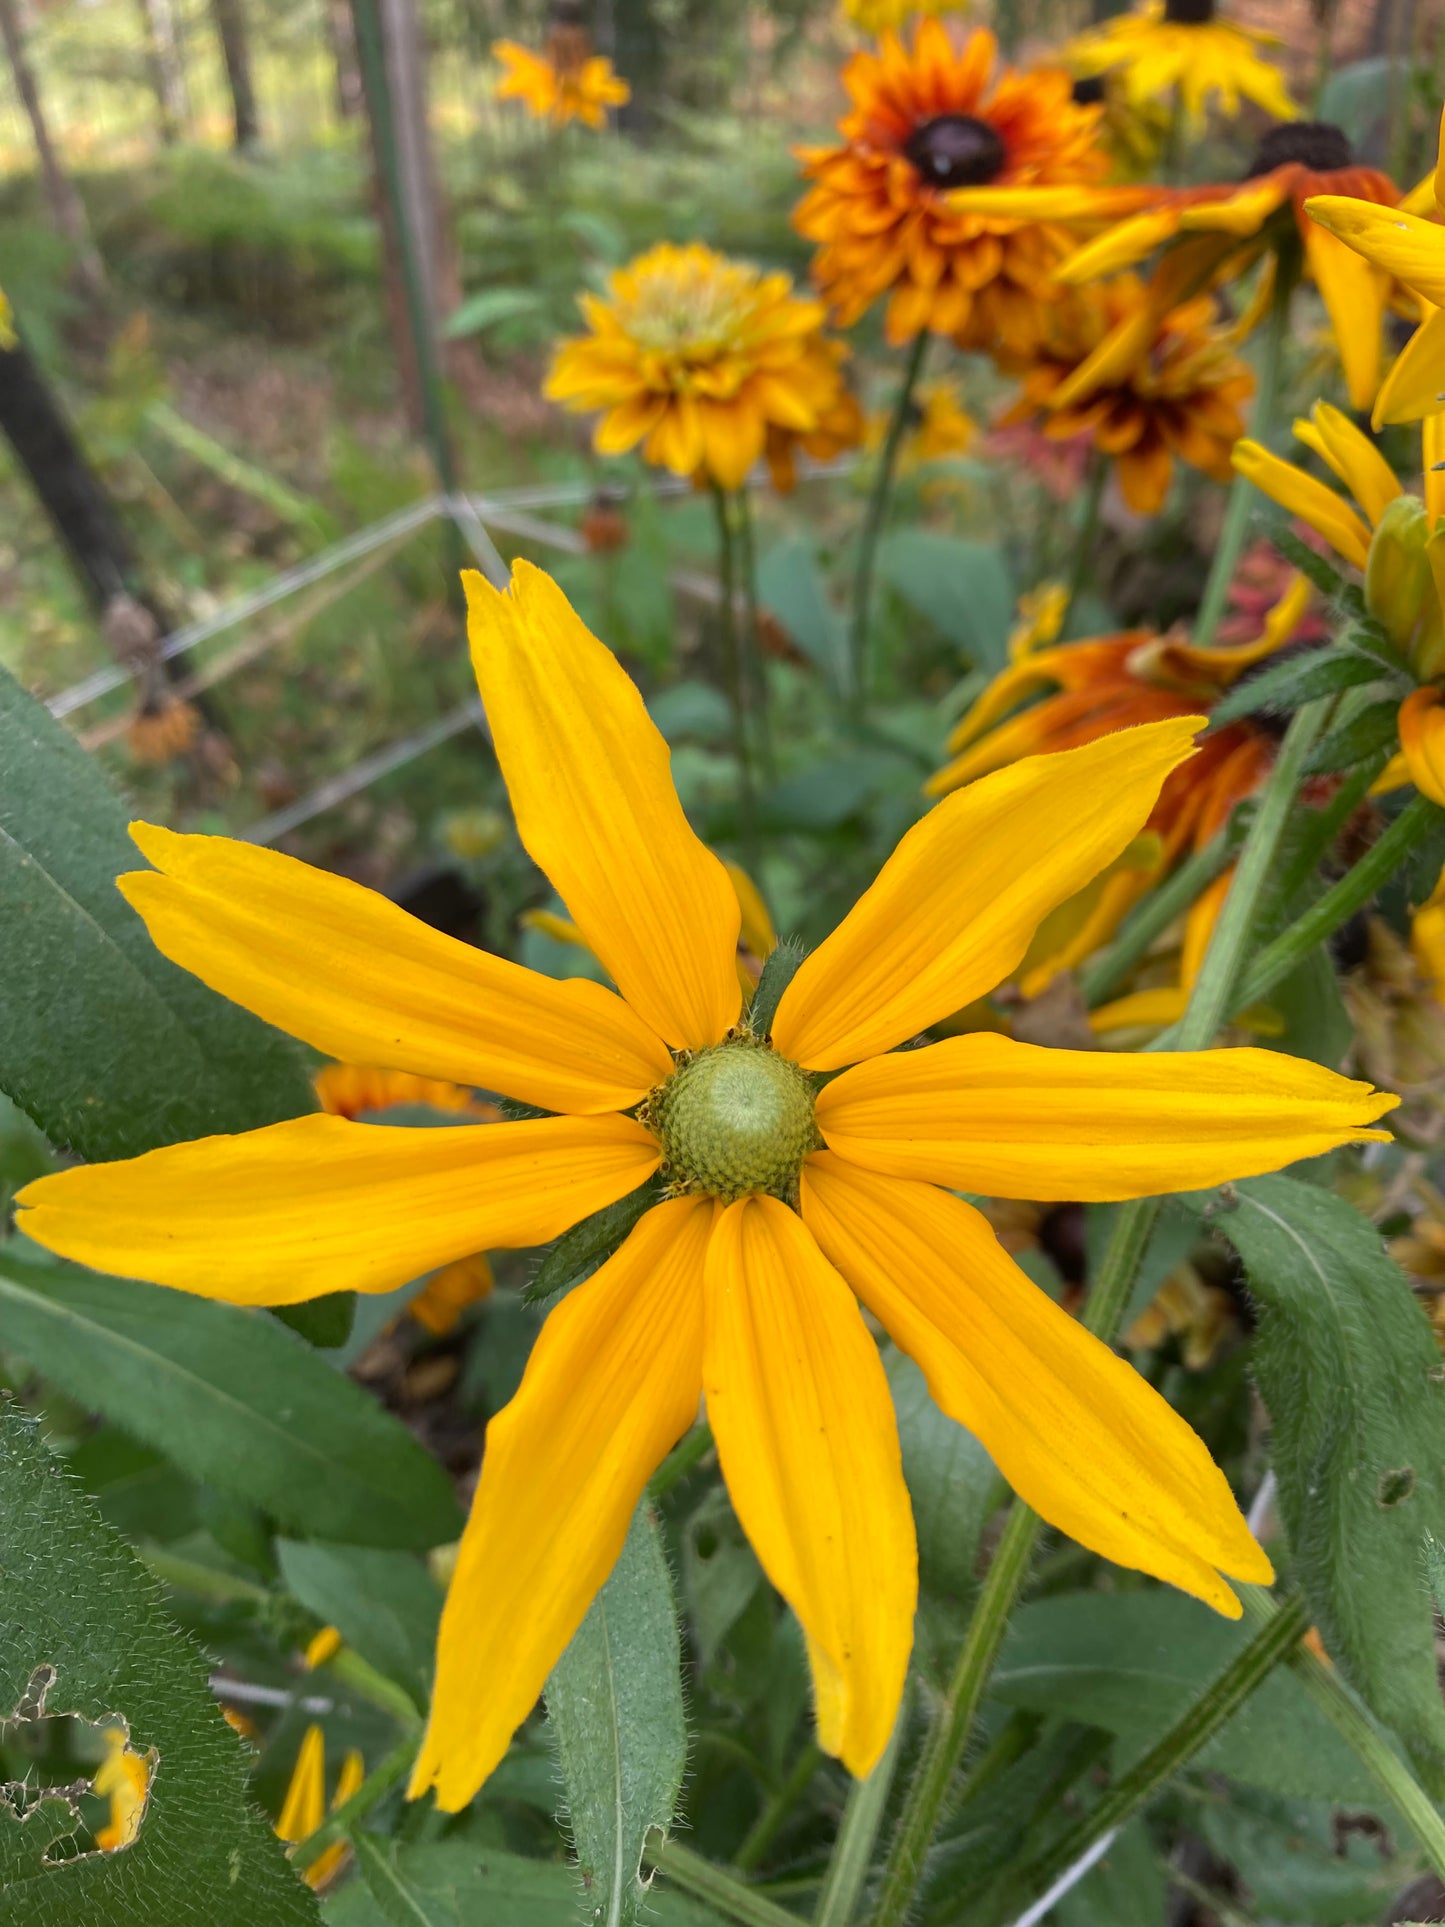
1400, 587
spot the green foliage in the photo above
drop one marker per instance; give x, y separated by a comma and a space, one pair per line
791, 584
1351, 1377
1362, 735
75, 1600
964, 588
110, 1048
614, 1708
779, 970
383, 1603
589, 1244
1281, 689
233, 1398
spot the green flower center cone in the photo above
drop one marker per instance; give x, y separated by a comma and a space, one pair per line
735, 1119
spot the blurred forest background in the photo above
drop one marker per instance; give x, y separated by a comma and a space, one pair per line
199, 235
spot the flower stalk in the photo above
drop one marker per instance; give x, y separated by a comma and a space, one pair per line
853, 1848
1098, 474
873, 525
733, 675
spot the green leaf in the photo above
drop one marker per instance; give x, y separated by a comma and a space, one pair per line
492, 305
578, 1252
1300, 679
1370, 730
110, 1048
384, 1604
236, 1400
779, 970
1313, 566
1297, 1863
1351, 1377
1126, 1888
1132, 1662
951, 1481
74, 1598
791, 586
325, 1322
614, 1707
965, 589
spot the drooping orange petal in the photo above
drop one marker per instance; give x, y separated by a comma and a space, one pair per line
319, 1204
1077, 1432
954, 907
804, 1424
591, 786
357, 977
983, 1113
612, 1384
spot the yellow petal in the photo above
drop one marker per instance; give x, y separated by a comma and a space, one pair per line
1303, 496
360, 979
1078, 1433
1353, 457
1045, 203
1121, 246
1394, 776
1404, 245
612, 1384
304, 1807
1354, 296
954, 907
1422, 741
320, 1204
1415, 385
1242, 213
757, 932
983, 1113
805, 1431
591, 786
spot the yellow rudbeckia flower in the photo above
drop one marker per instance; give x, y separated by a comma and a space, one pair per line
1179, 47
787, 1200
568, 82
1400, 242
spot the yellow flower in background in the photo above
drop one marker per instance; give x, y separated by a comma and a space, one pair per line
927, 117
939, 426
1180, 47
8, 337
1411, 249
559, 85
1143, 381
1041, 613
881, 16
1221, 229
786, 1201
1427, 941
304, 1808
709, 363
123, 1780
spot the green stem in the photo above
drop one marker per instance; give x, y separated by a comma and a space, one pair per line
853, 1848
1321, 827
1219, 1701
720, 1889
765, 1829
733, 675
953, 1724
1217, 1906
1152, 918
873, 526
1111, 1290
1241, 498
205, 1582
362, 1677
756, 661
1339, 903
680, 1461
1098, 474
339, 1823
1373, 1745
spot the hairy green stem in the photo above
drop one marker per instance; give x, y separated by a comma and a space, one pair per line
339, 1823
765, 1829
1374, 1746
733, 675
755, 662
953, 1723
1321, 827
873, 526
717, 1887
1339, 903
1219, 1701
1241, 496
853, 1848
1094, 480
1152, 918
680, 1461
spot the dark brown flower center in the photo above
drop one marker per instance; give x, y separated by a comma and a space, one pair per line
1089, 90
955, 150
1316, 144
1189, 13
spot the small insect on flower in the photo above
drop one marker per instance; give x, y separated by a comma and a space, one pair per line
805, 1164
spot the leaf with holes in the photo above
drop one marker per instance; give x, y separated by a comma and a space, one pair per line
1351, 1376
110, 1048
83, 1634
614, 1708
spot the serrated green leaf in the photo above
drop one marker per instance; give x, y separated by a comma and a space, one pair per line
578, 1252
1313, 566
235, 1399
1300, 679
614, 1709
73, 1597
1350, 1375
110, 1048
384, 1604
1374, 728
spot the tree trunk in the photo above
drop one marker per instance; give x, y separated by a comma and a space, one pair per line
82, 515
341, 30
66, 207
158, 28
230, 19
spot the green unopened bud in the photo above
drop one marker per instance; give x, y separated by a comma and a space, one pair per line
1400, 590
